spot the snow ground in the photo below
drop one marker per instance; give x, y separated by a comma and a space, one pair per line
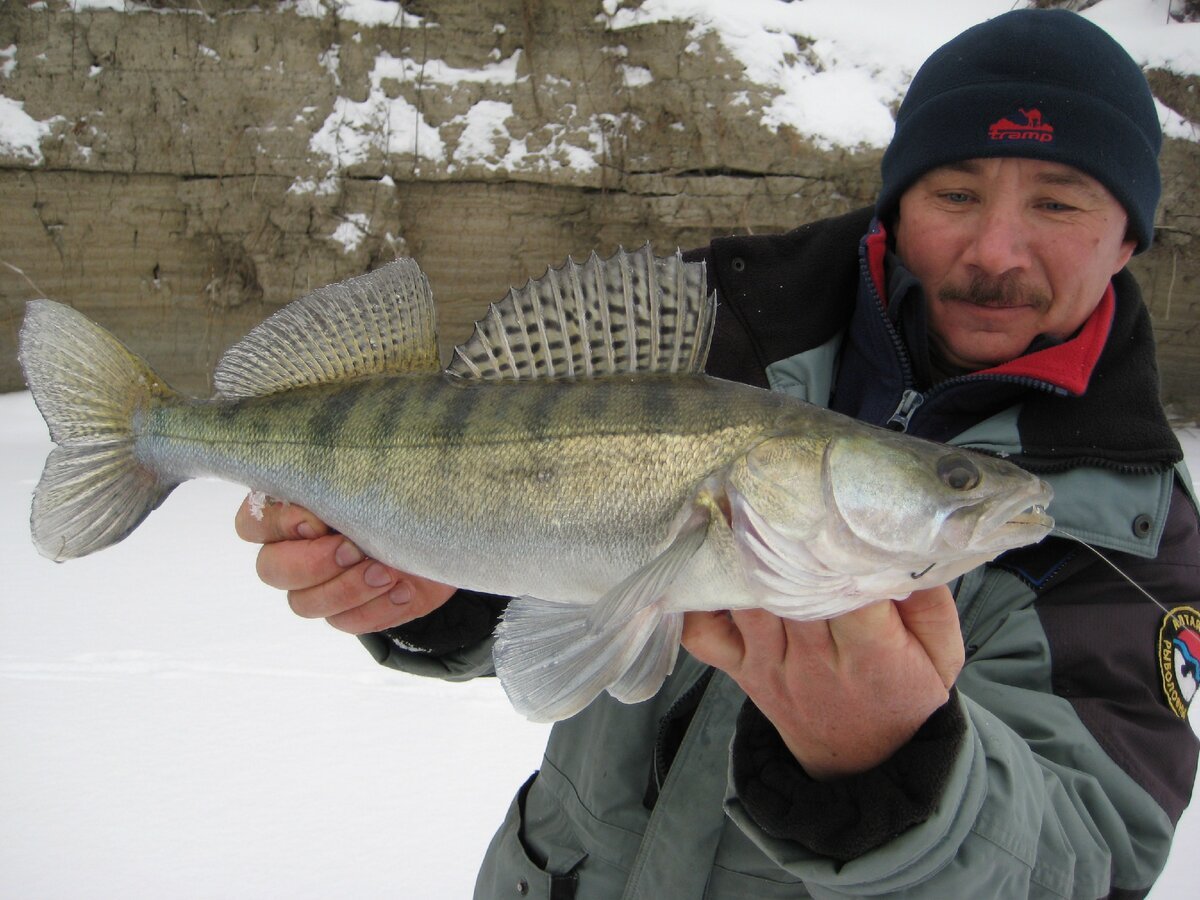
170, 729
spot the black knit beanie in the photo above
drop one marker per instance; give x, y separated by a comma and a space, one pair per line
1045, 84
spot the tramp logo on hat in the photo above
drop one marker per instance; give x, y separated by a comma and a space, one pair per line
1034, 128
1179, 657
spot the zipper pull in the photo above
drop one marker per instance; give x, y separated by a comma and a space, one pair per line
909, 403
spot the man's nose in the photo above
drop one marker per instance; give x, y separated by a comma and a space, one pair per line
1000, 242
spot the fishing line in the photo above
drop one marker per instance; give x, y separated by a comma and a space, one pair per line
1170, 615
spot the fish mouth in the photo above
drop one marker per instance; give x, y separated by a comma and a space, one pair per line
1003, 520
1022, 520
1035, 517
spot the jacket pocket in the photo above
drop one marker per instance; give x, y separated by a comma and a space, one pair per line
724, 884
520, 870
741, 869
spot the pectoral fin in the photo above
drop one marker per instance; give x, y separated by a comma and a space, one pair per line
650, 669
647, 584
550, 666
553, 659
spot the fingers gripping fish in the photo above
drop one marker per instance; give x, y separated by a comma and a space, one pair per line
572, 456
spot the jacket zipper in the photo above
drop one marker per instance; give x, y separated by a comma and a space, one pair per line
910, 402
897, 341
911, 399
659, 766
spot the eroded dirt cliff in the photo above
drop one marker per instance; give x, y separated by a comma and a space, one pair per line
200, 163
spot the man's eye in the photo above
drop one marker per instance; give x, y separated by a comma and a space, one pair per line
1055, 206
956, 196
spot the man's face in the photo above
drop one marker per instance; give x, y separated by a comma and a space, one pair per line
1007, 249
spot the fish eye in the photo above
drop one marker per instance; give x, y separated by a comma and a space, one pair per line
958, 472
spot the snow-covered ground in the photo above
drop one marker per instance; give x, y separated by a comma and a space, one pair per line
169, 729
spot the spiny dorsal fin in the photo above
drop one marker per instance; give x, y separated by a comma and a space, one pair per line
378, 323
631, 313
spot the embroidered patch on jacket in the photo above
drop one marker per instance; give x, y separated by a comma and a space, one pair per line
1034, 128
1179, 657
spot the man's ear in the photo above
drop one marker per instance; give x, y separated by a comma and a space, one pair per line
1127, 247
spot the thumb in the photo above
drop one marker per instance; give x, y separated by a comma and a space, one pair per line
713, 638
931, 616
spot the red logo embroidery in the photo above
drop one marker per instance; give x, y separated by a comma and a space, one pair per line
1033, 129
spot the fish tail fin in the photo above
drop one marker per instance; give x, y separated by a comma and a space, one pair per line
89, 388
552, 663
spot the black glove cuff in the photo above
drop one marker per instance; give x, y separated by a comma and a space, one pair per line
844, 818
463, 621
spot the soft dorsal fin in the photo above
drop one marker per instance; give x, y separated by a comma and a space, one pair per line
630, 313
378, 323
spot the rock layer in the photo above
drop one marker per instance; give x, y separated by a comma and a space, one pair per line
199, 164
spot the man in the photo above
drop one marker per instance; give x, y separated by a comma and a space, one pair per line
1006, 736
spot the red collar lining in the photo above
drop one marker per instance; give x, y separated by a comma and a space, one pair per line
1068, 365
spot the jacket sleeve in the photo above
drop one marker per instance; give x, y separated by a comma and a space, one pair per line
453, 642
1072, 770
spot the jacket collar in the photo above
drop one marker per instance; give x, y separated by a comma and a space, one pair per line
1091, 400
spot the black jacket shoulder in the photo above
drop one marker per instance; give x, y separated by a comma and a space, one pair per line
763, 283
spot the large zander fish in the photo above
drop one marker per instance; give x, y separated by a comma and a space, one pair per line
572, 456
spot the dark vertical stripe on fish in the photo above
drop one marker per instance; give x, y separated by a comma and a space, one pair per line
457, 404
657, 406
328, 420
594, 405
542, 410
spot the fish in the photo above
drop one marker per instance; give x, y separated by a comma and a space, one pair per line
573, 456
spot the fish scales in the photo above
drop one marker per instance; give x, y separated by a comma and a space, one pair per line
573, 456
585, 471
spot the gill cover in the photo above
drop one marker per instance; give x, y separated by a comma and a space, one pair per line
896, 495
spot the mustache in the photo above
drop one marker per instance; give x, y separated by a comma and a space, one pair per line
998, 293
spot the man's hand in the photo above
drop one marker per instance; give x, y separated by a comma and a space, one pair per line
328, 577
846, 693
